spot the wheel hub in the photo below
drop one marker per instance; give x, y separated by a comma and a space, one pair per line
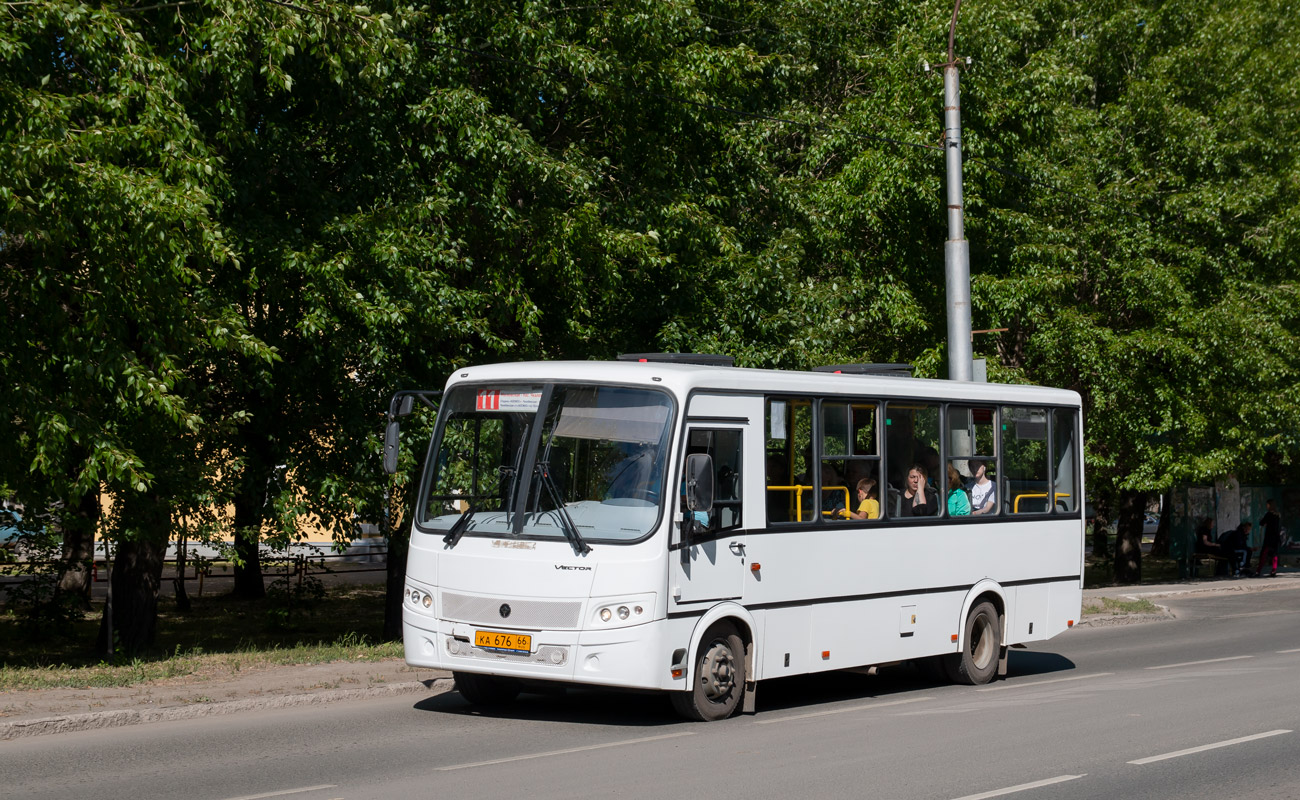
718, 671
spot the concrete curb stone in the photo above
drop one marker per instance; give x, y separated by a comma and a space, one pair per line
97, 720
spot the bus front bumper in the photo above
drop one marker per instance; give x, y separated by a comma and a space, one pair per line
631, 657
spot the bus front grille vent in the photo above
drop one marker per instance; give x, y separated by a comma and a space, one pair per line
542, 614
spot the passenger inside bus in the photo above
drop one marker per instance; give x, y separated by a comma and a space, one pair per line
919, 500
958, 501
868, 505
983, 492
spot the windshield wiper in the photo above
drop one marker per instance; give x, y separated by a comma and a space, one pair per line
459, 527
566, 522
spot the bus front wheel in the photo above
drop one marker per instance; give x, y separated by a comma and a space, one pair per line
718, 677
485, 690
977, 662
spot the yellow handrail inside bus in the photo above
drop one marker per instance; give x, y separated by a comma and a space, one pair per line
1015, 506
798, 489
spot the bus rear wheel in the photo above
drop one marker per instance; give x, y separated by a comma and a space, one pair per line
977, 662
485, 690
718, 676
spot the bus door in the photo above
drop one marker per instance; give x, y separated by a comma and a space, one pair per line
709, 561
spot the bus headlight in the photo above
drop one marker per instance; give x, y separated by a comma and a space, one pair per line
418, 598
622, 611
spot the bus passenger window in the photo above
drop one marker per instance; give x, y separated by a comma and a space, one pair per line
972, 453
1065, 487
1024, 461
850, 462
788, 461
913, 469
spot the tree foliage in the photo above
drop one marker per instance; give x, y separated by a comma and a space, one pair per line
231, 228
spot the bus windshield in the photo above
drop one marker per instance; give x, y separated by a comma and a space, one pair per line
589, 466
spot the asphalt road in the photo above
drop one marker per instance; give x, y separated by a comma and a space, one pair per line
1203, 706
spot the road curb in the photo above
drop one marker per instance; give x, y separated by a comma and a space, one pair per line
98, 720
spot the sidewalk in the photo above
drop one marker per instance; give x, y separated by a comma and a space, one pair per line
1286, 579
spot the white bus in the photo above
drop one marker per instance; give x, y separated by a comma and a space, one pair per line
697, 528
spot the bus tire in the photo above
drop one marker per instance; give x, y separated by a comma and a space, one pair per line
977, 663
719, 676
485, 690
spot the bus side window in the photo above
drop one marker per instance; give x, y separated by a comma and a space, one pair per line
850, 462
972, 454
1065, 486
911, 444
724, 446
788, 460
1024, 461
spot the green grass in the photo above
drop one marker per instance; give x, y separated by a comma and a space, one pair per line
1109, 605
218, 636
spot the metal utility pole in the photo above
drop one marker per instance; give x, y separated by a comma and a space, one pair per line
956, 251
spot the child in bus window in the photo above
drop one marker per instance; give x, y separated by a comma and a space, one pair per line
868, 505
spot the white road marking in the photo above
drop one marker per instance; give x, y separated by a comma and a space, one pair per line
1195, 663
1205, 747
861, 707
564, 752
1043, 683
1295, 650
1021, 788
1274, 612
286, 791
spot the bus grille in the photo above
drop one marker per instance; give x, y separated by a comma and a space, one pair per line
540, 614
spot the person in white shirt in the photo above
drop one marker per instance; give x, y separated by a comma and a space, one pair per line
983, 492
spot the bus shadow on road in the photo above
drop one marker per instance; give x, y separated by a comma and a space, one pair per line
1027, 663
582, 705
578, 705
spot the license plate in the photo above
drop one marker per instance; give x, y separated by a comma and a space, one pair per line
510, 642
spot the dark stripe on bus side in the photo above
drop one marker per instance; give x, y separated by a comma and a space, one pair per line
694, 418
860, 597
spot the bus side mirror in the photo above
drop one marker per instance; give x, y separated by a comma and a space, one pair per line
699, 482
398, 407
391, 434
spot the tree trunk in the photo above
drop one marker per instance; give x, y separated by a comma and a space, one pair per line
1160, 546
1128, 541
399, 542
250, 505
79, 525
1101, 527
182, 596
137, 573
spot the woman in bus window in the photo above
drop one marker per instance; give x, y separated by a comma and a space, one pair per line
958, 502
983, 492
919, 500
